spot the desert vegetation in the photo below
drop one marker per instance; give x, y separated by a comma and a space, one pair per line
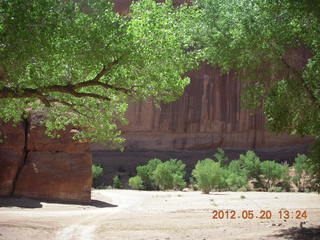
221, 174
247, 173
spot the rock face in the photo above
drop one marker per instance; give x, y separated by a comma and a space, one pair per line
35, 165
207, 116
12, 154
39, 141
56, 176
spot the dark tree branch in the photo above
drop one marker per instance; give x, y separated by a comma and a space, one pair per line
71, 89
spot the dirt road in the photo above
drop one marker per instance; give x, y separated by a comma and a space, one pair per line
126, 214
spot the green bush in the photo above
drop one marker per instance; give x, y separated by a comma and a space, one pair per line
237, 176
302, 171
97, 171
221, 157
286, 180
273, 173
136, 183
236, 181
209, 175
178, 181
236, 166
170, 175
193, 183
145, 172
117, 182
251, 165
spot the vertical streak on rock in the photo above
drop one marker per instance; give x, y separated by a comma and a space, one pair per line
25, 152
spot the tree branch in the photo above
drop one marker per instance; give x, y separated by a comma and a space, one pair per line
70, 89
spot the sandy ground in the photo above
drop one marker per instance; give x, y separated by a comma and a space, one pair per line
126, 214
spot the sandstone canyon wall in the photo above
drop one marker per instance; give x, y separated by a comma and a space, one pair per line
207, 116
37, 166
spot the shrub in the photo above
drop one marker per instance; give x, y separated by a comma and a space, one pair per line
208, 174
145, 172
286, 179
236, 166
251, 165
117, 183
273, 173
223, 185
236, 181
237, 176
136, 183
170, 174
178, 181
221, 157
97, 171
302, 171
193, 183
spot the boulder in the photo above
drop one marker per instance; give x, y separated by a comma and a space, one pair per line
56, 176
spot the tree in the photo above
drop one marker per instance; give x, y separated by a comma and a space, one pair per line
81, 62
275, 47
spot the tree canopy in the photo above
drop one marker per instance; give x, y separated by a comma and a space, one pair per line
81, 62
275, 46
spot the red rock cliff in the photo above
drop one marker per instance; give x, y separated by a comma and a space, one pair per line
207, 116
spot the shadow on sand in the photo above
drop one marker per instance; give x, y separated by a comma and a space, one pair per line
19, 202
36, 203
100, 204
295, 233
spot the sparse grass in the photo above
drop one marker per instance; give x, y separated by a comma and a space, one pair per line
242, 197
